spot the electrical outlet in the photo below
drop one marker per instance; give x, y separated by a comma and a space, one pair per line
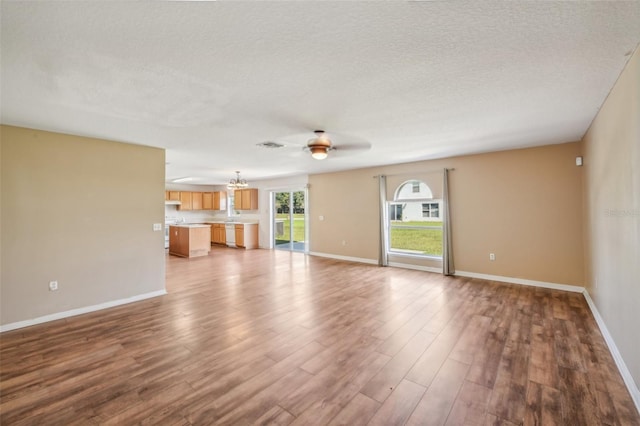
344, 242
157, 227
53, 285
492, 256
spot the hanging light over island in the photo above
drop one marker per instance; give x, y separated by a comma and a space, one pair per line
237, 183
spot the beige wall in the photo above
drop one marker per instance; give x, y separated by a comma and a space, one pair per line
612, 213
348, 203
79, 211
523, 205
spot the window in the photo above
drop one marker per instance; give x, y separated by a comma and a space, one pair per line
395, 212
414, 225
430, 210
231, 211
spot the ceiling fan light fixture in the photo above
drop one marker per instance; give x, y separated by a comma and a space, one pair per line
318, 152
320, 146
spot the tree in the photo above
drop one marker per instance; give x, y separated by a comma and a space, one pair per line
298, 202
282, 202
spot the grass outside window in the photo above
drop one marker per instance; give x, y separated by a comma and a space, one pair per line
420, 238
298, 228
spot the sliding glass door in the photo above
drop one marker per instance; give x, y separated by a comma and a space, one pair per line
289, 224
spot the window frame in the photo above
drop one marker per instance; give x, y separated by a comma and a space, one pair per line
400, 201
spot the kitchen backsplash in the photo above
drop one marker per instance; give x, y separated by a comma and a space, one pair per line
191, 216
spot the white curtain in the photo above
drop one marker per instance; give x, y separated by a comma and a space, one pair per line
384, 259
447, 247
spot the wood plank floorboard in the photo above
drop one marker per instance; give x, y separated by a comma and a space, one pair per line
279, 338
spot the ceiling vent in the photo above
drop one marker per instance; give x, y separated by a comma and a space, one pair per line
270, 144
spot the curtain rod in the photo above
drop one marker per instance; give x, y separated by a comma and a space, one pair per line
416, 172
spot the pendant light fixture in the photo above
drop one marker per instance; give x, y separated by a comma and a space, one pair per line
237, 183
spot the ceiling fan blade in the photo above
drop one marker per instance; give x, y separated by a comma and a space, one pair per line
298, 152
353, 147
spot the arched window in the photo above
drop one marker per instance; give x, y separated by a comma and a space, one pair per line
411, 190
415, 224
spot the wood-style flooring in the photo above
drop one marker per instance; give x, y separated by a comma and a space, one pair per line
272, 337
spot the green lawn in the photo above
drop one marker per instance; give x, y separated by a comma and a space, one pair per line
298, 228
420, 241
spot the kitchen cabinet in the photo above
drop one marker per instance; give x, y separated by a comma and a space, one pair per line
196, 201
172, 195
240, 235
189, 240
218, 235
247, 235
207, 201
219, 200
245, 199
185, 201
190, 200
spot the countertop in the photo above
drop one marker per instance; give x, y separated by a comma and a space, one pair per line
191, 225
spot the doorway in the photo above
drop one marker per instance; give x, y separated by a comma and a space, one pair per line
289, 220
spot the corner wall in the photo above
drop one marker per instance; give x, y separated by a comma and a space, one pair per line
612, 214
80, 211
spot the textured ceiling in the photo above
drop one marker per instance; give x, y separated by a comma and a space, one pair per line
404, 81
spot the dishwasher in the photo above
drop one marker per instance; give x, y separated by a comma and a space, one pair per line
230, 233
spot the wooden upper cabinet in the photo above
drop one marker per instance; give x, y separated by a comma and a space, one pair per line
196, 201
219, 200
250, 199
185, 201
199, 200
207, 201
246, 199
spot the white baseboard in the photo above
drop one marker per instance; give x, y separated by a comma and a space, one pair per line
617, 357
521, 281
347, 258
416, 267
79, 311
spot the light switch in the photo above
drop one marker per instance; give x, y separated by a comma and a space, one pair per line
157, 227
321, 217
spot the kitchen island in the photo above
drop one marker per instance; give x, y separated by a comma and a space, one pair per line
189, 240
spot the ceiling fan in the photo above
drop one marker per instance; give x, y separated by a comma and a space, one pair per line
319, 146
